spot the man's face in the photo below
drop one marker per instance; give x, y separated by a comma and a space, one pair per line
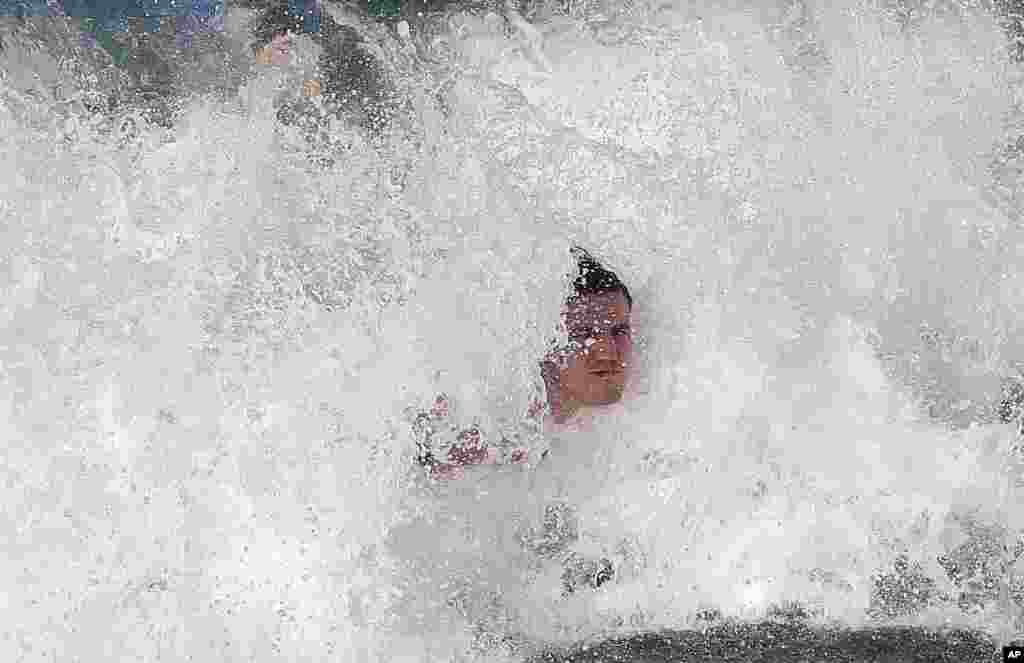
592, 371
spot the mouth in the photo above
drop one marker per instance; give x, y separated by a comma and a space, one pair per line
606, 374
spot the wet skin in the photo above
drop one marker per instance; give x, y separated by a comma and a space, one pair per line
592, 370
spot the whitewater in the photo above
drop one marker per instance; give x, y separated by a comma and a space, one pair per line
211, 341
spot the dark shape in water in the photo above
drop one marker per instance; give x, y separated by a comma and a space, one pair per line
1011, 404
279, 17
784, 642
354, 82
1011, 15
353, 79
581, 572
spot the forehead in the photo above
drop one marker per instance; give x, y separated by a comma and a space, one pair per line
605, 307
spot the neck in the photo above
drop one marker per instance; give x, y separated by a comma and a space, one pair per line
563, 411
568, 413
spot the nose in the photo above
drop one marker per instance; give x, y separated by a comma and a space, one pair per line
605, 347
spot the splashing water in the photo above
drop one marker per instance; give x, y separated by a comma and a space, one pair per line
211, 344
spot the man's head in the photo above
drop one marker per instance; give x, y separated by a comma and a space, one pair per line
273, 35
592, 370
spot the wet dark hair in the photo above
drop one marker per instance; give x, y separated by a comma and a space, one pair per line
594, 278
276, 20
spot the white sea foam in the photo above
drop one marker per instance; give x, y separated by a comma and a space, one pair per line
210, 345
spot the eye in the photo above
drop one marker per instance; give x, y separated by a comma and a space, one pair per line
623, 331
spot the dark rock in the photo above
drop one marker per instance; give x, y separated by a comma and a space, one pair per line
789, 611
785, 642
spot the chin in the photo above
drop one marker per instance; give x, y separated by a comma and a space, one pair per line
608, 399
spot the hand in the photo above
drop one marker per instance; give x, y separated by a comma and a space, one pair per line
468, 450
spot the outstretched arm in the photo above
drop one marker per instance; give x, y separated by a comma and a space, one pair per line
445, 460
